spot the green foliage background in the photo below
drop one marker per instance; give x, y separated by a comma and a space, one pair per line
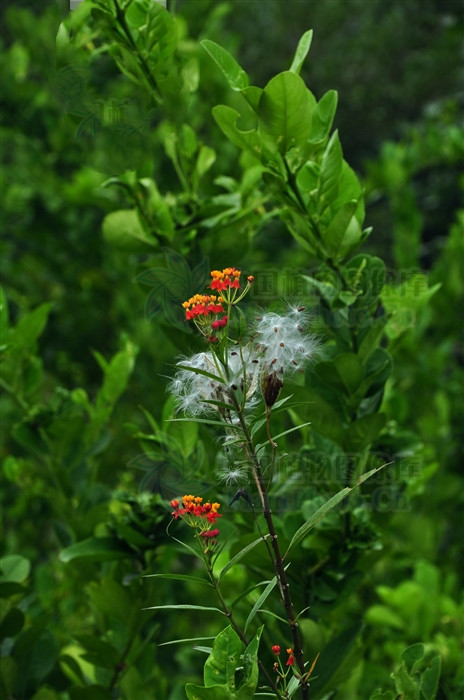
88, 461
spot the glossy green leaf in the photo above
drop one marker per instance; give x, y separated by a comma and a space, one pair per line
301, 51
285, 112
323, 116
224, 659
335, 232
236, 76
226, 117
331, 169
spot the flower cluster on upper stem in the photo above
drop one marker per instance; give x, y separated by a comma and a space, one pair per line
239, 373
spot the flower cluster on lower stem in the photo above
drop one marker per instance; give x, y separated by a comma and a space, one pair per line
278, 667
201, 516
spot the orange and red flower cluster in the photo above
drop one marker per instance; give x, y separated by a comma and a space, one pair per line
202, 305
204, 309
229, 277
193, 510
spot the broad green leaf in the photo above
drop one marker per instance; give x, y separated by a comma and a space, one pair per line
215, 692
369, 337
243, 552
95, 549
301, 51
285, 112
302, 532
366, 276
250, 668
323, 116
221, 664
331, 169
236, 76
226, 117
335, 232
98, 651
332, 657
123, 230
412, 655
262, 598
430, 678
14, 568
345, 372
403, 302
363, 431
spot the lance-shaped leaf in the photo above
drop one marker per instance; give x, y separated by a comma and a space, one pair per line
321, 512
301, 51
236, 76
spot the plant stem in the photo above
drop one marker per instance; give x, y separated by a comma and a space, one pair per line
237, 628
277, 562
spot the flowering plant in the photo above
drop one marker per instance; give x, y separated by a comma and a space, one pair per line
235, 384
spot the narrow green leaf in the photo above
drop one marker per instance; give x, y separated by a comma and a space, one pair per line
182, 641
327, 507
180, 577
290, 430
301, 51
264, 595
203, 372
183, 606
243, 552
236, 76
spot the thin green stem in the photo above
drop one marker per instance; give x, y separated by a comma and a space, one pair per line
237, 627
277, 559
